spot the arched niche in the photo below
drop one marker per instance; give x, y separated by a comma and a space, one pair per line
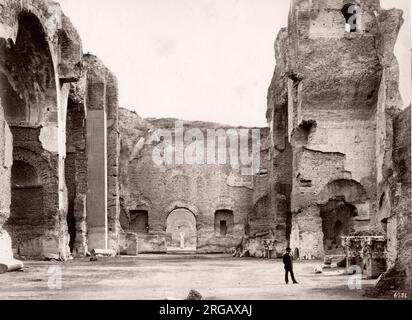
27, 220
224, 222
15, 109
181, 230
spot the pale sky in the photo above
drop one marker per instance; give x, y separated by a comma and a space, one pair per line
209, 60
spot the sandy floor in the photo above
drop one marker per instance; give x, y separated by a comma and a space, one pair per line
161, 277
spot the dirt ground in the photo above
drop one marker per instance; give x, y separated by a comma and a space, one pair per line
159, 277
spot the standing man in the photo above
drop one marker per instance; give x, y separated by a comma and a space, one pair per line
288, 262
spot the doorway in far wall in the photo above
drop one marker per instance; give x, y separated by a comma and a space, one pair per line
224, 222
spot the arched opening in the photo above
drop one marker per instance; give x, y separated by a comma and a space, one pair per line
337, 221
224, 223
351, 13
181, 231
28, 80
26, 221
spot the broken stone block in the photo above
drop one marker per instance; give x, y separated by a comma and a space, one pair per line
103, 253
10, 266
194, 296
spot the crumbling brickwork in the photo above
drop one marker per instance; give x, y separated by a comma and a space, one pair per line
47, 88
6, 162
205, 190
78, 174
334, 102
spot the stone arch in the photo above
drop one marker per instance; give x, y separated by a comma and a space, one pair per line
349, 190
34, 203
32, 96
180, 204
181, 230
225, 203
42, 164
27, 220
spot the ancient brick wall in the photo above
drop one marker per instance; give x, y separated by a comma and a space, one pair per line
328, 99
402, 199
202, 189
280, 169
102, 152
38, 237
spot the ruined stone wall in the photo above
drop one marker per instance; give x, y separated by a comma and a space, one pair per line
76, 174
328, 99
46, 87
280, 169
160, 189
40, 52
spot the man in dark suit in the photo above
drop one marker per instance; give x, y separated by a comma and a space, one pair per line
288, 262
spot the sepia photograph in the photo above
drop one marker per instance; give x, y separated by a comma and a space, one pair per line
205, 150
